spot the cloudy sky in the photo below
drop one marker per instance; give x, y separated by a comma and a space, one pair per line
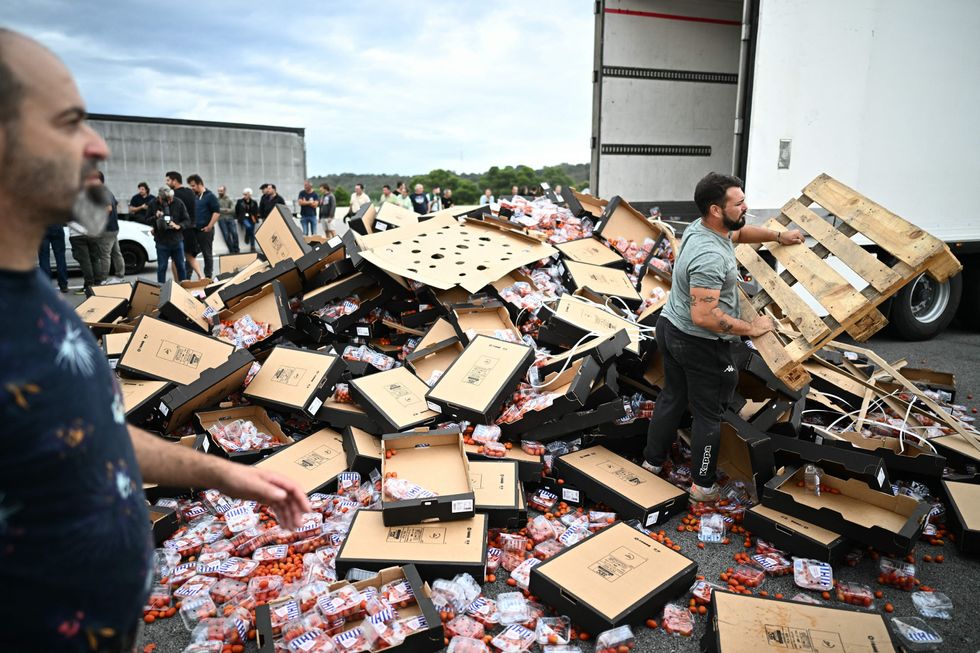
394, 86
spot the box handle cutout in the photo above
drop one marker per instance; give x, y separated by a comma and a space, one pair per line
565, 596
783, 529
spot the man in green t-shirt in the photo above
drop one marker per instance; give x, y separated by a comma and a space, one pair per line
698, 326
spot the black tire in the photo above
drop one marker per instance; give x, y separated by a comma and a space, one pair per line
134, 255
923, 308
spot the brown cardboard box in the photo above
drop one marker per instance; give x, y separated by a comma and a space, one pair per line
163, 523
497, 491
145, 298
232, 263
963, 514
295, 379
140, 398
892, 524
591, 250
481, 379
231, 293
627, 488
528, 467
341, 415
391, 216
440, 331
269, 305
314, 462
604, 281
617, 576
415, 456
363, 451
574, 318
255, 414
164, 351
572, 387
652, 280
180, 404
100, 309
177, 305
439, 550
280, 237
488, 318
582, 205
321, 256
214, 300
425, 363
748, 624
798, 537
117, 290
394, 399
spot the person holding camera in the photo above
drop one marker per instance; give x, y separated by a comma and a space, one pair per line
170, 219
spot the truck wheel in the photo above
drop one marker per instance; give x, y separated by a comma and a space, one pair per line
924, 307
134, 255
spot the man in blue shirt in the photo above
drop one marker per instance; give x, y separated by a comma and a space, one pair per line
308, 201
75, 547
207, 211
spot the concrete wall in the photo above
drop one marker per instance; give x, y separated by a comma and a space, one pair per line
233, 157
659, 35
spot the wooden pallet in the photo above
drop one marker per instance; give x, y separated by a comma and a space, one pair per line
803, 331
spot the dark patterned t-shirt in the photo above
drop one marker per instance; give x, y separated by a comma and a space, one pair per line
75, 547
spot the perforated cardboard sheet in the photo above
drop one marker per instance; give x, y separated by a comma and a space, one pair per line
179, 306
165, 351
314, 462
443, 252
296, 379
438, 550
280, 236
749, 624
616, 576
395, 399
480, 379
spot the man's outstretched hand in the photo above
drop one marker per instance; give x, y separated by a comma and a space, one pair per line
282, 494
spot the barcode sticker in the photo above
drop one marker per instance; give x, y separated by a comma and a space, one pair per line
570, 495
363, 331
333, 242
315, 404
652, 518
163, 409
380, 226
463, 505
433, 406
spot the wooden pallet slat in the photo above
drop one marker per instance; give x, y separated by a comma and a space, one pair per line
900, 238
793, 306
772, 351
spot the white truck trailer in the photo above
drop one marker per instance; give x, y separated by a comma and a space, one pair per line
880, 94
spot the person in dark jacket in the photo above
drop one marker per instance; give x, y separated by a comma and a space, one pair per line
170, 219
270, 197
186, 196
247, 214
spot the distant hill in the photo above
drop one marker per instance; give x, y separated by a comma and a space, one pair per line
467, 186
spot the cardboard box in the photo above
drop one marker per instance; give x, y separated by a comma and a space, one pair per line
140, 398
583, 206
101, 310
234, 291
362, 222
497, 491
580, 421
314, 462
605, 349
426, 640
749, 624
842, 463
593, 251
294, 379
963, 514
487, 318
255, 414
113, 344
370, 294
232, 263
905, 459
574, 318
425, 363
529, 467
481, 379
438, 550
889, 523
321, 257
392, 216
166, 352
800, 538
572, 387
177, 305
745, 454
180, 404
145, 298
163, 523
415, 457
395, 399
957, 450
118, 290
627, 488
270, 305
604, 281
362, 451
620, 220
440, 331
281, 237
617, 576
342, 415
653, 281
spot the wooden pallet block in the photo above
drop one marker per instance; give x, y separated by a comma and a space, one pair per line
849, 310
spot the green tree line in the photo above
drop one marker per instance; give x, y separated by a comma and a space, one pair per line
466, 187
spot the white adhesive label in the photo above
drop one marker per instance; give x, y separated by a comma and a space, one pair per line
380, 226
163, 409
363, 331
206, 445
463, 505
881, 477
315, 404
570, 495
328, 327
333, 242
652, 518
433, 406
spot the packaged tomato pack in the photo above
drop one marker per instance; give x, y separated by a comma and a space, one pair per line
677, 621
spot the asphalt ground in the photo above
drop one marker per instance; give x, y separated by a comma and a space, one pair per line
956, 350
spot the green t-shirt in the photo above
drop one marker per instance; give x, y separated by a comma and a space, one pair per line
706, 260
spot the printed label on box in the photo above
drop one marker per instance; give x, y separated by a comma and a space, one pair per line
570, 495
171, 351
317, 457
333, 242
479, 372
803, 639
476, 480
463, 505
288, 375
617, 564
620, 472
363, 331
652, 518
417, 535
315, 404
163, 409
434, 407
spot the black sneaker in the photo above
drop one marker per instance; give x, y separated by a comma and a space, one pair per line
63, 289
